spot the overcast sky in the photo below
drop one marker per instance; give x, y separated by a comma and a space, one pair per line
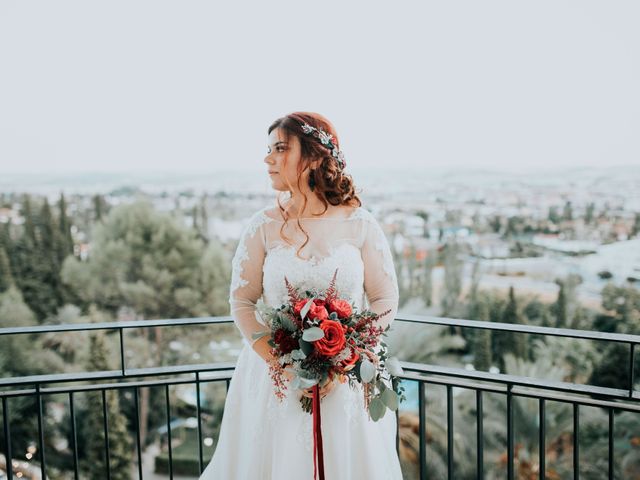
193, 85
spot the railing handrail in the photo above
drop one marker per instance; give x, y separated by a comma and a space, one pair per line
425, 319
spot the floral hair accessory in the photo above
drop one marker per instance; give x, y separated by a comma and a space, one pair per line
326, 139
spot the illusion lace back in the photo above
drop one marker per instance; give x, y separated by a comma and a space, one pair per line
262, 437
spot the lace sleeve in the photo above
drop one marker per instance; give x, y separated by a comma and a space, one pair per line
380, 280
246, 278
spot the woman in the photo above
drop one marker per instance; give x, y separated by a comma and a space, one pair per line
318, 227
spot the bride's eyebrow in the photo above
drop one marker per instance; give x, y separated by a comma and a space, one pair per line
278, 143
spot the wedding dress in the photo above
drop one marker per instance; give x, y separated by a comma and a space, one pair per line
262, 437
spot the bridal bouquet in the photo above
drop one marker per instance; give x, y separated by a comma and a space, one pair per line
319, 337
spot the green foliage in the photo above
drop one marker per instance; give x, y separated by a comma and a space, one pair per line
120, 442
6, 277
149, 262
453, 265
482, 358
511, 314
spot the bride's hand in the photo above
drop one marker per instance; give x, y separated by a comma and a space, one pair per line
308, 392
324, 389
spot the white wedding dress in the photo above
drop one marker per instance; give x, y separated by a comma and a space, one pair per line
261, 437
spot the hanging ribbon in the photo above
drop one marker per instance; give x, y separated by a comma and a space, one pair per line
317, 434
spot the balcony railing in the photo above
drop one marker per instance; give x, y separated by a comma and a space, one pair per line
511, 386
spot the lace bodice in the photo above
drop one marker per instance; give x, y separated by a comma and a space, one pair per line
355, 244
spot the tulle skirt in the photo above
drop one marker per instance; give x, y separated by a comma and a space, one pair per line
264, 438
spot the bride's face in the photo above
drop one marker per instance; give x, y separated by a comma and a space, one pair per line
282, 159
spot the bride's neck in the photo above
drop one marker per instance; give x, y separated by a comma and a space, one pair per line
314, 205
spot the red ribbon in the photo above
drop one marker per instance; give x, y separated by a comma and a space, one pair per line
317, 434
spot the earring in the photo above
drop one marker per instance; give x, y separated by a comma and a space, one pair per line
312, 180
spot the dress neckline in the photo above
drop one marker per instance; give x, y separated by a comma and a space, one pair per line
348, 217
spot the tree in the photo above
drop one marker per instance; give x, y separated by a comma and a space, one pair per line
141, 259
99, 207
120, 442
6, 277
560, 306
635, 230
50, 239
66, 244
32, 264
567, 212
452, 277
427, 282
482, 345
511, 314
589, 213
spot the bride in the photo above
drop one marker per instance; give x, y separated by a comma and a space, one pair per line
319, 227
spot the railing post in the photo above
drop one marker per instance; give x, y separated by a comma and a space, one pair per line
576, 441
422, 423
611, 452
105, 426
122, 365
74, 436
43, 463
632, 347
200, 453
450, 432
542, 444
7, 436
479, 436
136, 401
510, 456
166, 393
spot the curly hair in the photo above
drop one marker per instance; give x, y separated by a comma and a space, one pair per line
331, 184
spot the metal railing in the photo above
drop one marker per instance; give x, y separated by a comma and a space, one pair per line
511, 386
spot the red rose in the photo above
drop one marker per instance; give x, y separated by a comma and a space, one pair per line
288, 345
318, 311
279, 335
333, 341
350, 362
341, 307
285, 342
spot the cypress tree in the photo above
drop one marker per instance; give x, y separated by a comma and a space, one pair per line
120, 444
512, 315
560, 306
31, 265
64, 225
98, 207
6, 278
482, 347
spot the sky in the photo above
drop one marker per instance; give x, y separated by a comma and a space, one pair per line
150, 86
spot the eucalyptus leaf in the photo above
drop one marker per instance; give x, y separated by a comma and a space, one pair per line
390, 398
298, 355
367, 370
312, 334
305, 309
306, 347
377, 409
393, 366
